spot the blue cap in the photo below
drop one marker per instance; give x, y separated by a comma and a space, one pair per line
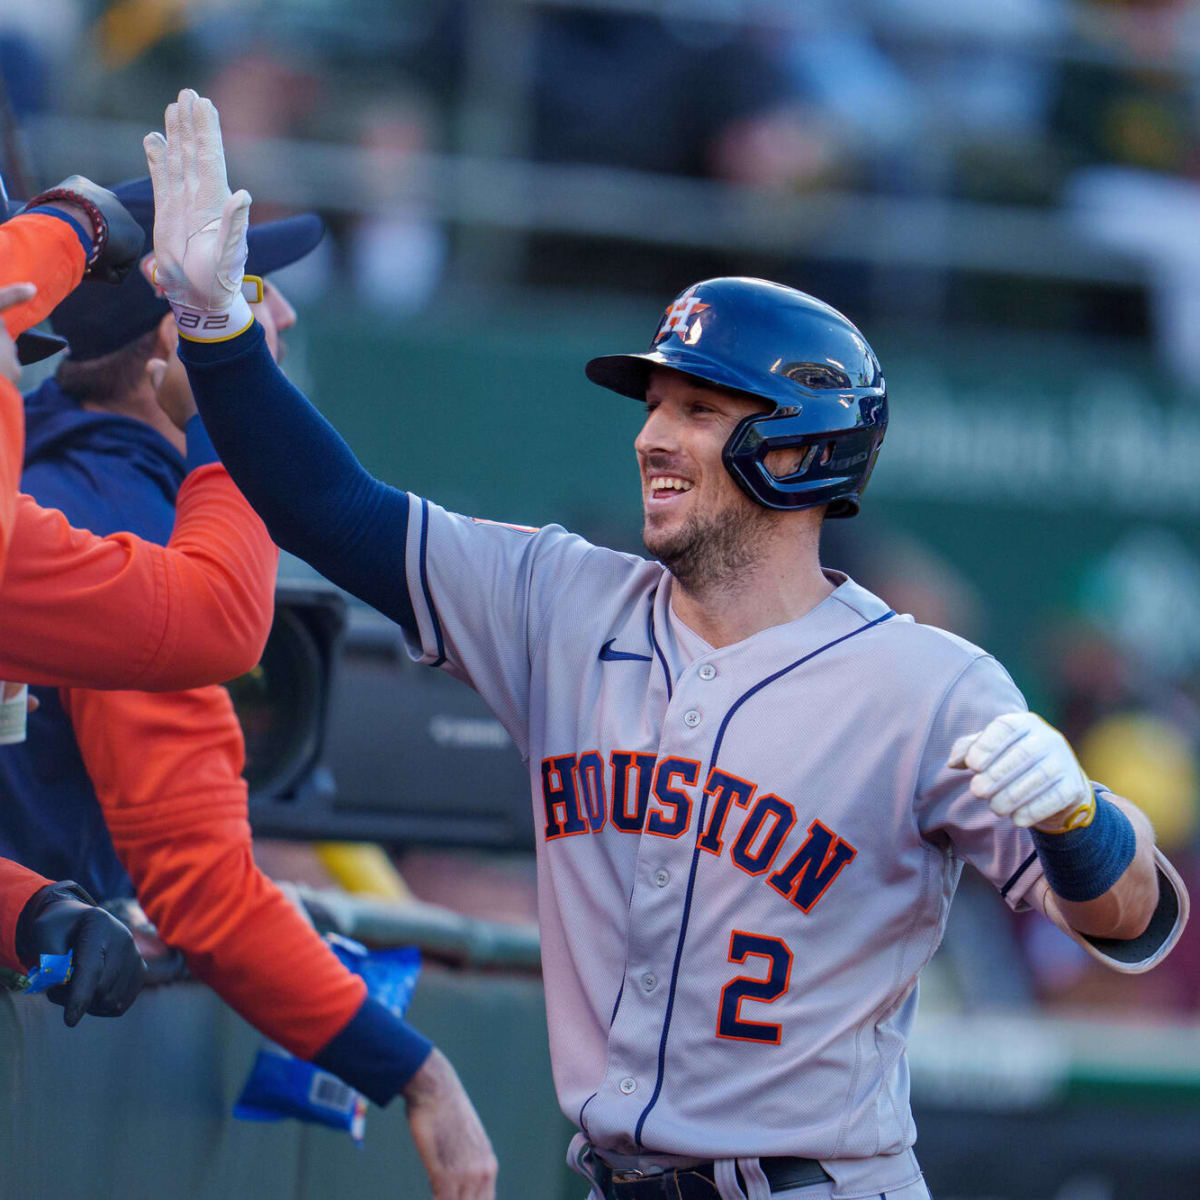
100, 319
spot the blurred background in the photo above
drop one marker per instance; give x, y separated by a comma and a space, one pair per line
1005, 197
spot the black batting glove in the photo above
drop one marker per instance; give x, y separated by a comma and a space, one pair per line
117, 239
107, 972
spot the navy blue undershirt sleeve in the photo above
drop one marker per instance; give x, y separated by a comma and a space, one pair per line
376, 1052
200, 450
317, 499
84, 235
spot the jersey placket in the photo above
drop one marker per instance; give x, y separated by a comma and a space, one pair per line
662, 892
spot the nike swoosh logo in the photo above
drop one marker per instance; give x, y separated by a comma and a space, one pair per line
608, 654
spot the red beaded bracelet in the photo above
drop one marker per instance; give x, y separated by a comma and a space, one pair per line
99, 223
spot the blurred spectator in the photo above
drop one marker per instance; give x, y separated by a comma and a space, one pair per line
1124, 669
268, 96
679, 95
1126, 121
396, 253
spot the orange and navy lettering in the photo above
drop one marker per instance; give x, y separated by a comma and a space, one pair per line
639, 793
561, 797
629, 801
723, 788
809, 872
778, 816
730, 1022
589, 772
670, 769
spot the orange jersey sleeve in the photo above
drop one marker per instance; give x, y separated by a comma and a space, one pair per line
44, 251
17, 884
167, 771
117, 612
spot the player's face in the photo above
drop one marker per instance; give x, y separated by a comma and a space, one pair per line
696, 520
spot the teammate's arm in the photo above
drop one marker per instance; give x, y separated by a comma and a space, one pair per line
42, 259
119, 612
178, 820
39, 916
1096, 850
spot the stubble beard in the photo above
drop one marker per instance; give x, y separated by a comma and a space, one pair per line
713, 552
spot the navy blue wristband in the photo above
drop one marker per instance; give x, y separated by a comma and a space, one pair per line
84, 235
200, 450
377, 1052
1082, 864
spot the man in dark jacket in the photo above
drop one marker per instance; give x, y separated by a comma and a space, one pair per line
100, 448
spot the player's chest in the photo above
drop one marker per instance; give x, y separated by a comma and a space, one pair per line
646, 761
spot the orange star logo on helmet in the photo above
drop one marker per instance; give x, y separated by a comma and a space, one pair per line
676, 319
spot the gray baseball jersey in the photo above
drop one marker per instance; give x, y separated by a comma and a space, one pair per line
746, 855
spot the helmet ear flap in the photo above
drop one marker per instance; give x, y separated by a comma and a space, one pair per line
833, 466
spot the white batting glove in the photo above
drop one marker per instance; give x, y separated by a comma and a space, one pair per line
199, 227
1025, 770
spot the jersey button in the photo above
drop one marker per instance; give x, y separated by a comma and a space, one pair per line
628, 1086
691, 718
707, 671
649, 981
662, 877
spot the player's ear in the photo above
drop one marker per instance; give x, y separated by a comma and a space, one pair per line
166, 337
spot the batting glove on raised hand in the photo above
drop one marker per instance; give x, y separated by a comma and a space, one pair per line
1025, 770
199, 226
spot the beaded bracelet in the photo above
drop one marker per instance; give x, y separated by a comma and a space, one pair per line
97, 218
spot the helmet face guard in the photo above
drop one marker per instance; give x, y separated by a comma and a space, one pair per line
805, 359
833, 465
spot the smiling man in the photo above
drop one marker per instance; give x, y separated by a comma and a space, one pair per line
754, 785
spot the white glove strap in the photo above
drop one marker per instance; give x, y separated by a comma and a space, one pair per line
199, 326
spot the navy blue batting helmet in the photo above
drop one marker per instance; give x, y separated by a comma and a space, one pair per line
805, 359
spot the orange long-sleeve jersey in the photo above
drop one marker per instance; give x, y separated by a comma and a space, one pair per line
167, 771
44, 251
116, 612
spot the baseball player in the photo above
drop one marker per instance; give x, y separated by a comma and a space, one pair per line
754, 785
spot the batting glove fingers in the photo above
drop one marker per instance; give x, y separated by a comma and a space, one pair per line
199, 225
1027, 772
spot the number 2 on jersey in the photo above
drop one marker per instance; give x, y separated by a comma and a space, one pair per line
730, 1023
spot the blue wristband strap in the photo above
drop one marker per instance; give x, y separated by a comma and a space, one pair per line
377, 1052
84, 235
1082, 864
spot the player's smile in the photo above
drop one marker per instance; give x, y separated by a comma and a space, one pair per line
679, 448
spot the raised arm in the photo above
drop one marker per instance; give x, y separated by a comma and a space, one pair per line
317, 500
315, 497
